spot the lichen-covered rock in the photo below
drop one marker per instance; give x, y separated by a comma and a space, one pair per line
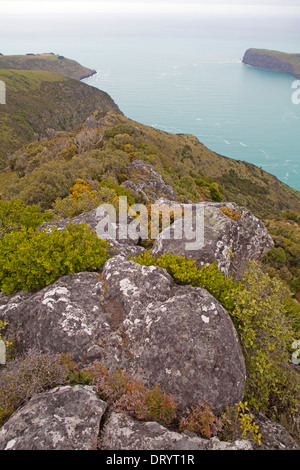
136, 318
64, 317
228, 238
64, 418
122, 432
274, 436
150, 183
177, 336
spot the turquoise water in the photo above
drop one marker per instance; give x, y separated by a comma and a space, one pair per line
184, 78
195, 86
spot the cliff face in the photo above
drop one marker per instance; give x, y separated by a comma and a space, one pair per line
274, 61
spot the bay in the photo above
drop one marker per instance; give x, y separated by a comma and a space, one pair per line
184, 80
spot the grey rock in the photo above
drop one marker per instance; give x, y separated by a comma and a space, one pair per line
179, 337
65, 317
151, 184
64, 418
122, 432
136, 318
273, 435
230, 243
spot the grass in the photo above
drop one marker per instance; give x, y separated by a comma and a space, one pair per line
47, 62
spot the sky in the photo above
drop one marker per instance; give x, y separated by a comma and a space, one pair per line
203, 7
29, 18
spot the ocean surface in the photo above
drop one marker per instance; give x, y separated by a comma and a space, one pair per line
191, 83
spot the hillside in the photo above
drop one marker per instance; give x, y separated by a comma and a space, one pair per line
40, 101
171, 338
49, 62
275, 61
195, 172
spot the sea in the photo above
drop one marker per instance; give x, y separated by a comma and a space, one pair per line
184, 76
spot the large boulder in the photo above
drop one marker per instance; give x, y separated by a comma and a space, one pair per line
121, 432
224, 233
64, 418
136, 318
64, 317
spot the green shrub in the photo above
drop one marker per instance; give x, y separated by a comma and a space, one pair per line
261, 318
185, 271
215, 193
31, 259
15, 215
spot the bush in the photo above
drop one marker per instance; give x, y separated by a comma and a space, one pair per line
32, 259
231, 213
133, 397
201, 420
15, 215
185, 271
25, 376
261, 318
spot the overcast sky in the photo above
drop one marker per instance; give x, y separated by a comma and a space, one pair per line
260, 7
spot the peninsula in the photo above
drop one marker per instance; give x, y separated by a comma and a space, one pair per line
49, 62
273, 60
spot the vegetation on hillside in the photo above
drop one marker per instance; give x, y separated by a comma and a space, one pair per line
83, 161
104, 148
38, 103
49, 62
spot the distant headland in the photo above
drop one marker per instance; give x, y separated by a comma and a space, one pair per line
273, 60
48, 61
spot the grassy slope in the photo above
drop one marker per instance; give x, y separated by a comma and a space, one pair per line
38, 101
181, 159
47, 62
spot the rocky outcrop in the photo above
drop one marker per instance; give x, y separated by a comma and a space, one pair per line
64, 418
274, 436
273, 60
136, 318
70, 418
149, 184
231, 236
227, 234
122, 432
75, 418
